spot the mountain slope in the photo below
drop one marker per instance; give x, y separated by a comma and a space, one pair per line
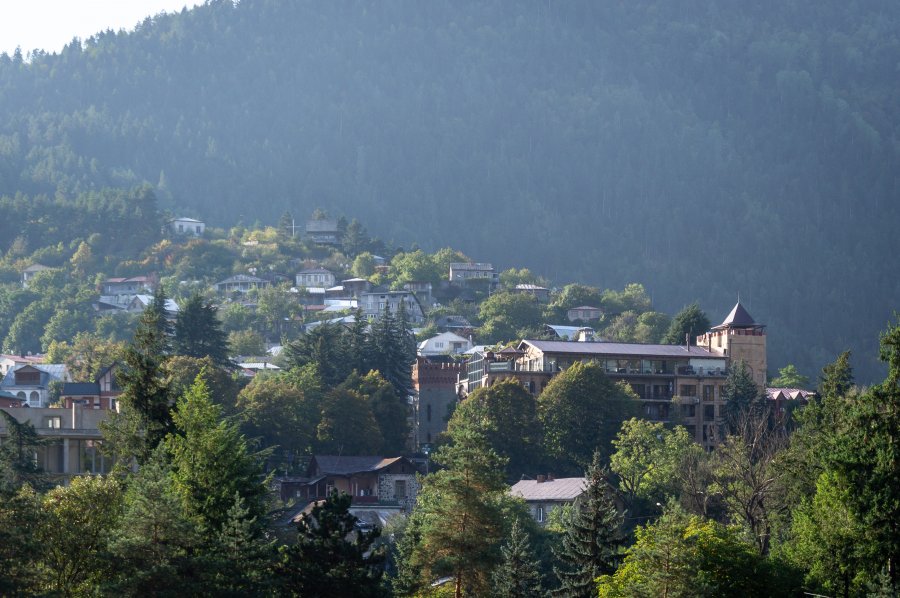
706, 150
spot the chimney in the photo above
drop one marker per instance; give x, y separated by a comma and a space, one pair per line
540, 479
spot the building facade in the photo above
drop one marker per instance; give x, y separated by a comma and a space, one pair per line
676, 384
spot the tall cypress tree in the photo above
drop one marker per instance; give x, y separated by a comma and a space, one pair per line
591, 542
391, 351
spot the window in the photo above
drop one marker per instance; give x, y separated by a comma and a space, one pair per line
428, 413
688, 410
181, 228
539, 514
688, 390
198, 229
438, 344
54, 423
709, 392
709, 413
399, 488
34, 397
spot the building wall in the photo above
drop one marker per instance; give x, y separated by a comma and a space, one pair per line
435, 386
387, 489
747, 345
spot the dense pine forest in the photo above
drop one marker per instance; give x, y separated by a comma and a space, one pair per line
706, 149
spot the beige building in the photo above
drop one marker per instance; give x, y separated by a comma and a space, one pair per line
675, 383
73, 438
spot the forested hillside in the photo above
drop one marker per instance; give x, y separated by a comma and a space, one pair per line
704, 148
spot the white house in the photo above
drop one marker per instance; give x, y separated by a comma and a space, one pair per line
315, 277
32, 382
444, 343
188, 226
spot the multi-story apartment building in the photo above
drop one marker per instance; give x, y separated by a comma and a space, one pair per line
675, 383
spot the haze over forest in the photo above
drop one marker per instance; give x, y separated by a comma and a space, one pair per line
705, 149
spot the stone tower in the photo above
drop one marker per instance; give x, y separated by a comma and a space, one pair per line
739, 337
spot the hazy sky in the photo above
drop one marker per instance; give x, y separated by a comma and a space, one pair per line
51, 24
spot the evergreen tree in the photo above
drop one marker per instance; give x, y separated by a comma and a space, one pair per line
355, 239
332, 556
347, 425
198, 332
392, 349
690, 321
155, 545
211, 461
518, 575
740, 393
837, 377
866, 456
144, 418
391, 411
460, 515
240, 555
17, 463
592, 538
324, 347
286, 225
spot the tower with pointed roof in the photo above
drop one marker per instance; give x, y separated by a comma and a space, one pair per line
739, 338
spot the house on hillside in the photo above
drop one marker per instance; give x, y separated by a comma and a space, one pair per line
463, 272
8, 362
30, 272
128, 286
540, 293
547, 493
32, 382
187, 226
584, 313
445, 343
102, 393
323, 232
369, 480
139, 303
315, 277
373, 304
240, 283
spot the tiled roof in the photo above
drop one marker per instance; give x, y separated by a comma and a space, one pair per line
789, 393
560, 489
624, 349
314, 271
339, 465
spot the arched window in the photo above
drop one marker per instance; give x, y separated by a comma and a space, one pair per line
21, 395
35, 397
